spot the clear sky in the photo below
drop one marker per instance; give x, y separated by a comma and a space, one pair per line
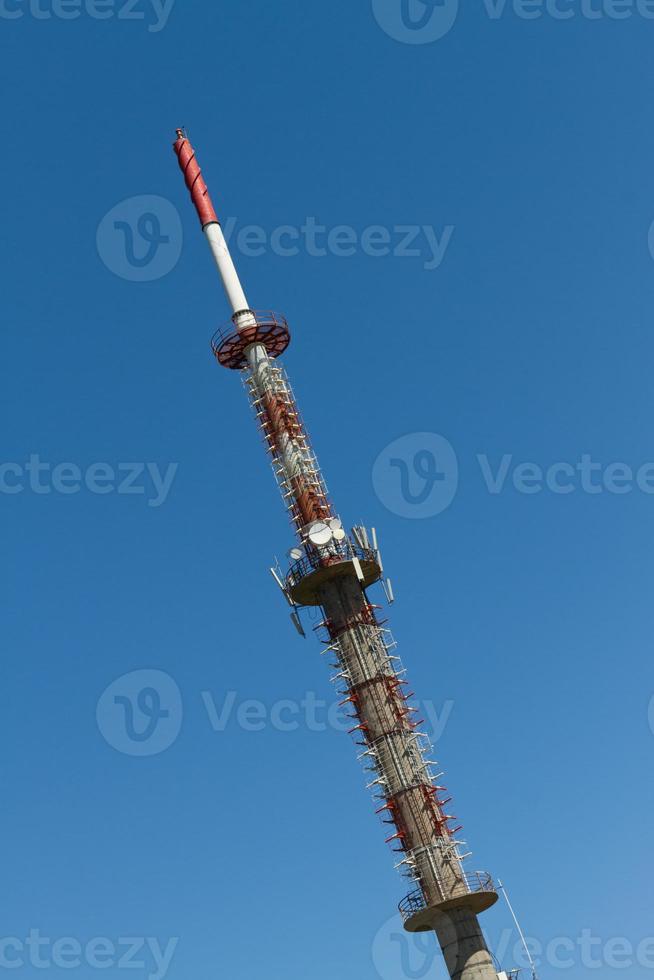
212, 813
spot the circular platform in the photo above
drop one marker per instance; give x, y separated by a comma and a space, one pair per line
477, 902
305, 579
269, 329
476, 893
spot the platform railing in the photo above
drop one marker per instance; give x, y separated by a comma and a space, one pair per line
229, 343
335, 553
260, 318
472, 883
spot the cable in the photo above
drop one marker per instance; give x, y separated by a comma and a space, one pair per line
534, 975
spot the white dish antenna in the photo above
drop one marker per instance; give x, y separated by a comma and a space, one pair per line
320, 533
295, 554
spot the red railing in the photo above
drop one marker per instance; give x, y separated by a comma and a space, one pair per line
266, 323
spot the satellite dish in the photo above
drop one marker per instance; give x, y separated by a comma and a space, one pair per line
339, 534
320, 533
335, 524
296, 554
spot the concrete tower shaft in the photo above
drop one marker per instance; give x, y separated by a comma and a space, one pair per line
333, 571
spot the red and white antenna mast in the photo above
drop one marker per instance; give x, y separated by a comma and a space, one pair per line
333, 571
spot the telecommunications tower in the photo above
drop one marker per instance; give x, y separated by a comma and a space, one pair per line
334, 570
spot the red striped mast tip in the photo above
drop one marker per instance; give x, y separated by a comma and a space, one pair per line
194, 179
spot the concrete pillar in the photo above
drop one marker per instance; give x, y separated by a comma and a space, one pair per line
464, 947
364, 658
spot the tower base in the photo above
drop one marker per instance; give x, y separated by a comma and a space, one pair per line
457, 927
464, 947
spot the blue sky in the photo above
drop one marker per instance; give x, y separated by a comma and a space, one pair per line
515, 152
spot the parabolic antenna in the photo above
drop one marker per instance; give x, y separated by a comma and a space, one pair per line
296, 554
339, 534
336, 524
320, 533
